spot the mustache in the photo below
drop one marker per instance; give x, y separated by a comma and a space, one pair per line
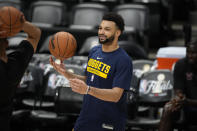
102, 35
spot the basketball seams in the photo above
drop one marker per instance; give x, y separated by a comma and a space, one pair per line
3, 21
56, 48
57, 38
71, 48
17, 17
70, 53
10, 19
75, 44
66, 44
50, 48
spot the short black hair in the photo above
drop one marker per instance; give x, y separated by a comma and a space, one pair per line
111, 16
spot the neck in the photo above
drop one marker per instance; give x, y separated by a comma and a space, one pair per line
109, 47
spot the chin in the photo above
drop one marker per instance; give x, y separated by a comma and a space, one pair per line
102, 42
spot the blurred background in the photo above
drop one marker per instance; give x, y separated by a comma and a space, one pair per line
154, 29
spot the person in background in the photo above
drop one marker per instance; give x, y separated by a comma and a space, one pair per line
13, 66
108, 77
185, 88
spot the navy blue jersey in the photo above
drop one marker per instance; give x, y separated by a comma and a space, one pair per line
105, 70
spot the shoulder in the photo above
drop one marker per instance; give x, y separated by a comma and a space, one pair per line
124, 57
94, 49
123, 60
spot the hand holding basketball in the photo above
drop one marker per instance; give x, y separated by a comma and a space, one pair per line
11, 21
62, 45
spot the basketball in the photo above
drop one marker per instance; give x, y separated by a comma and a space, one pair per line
62, 45
10, 20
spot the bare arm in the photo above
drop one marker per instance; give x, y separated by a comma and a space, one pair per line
33, 32
112, 95
62, 70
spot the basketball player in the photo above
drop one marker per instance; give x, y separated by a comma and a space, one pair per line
108, 76
185, 85
12, 67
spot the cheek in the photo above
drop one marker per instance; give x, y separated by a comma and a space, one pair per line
109, 34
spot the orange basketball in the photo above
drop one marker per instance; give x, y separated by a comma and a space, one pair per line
62, 45
10, 20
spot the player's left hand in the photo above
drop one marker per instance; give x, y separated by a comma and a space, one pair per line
78, 86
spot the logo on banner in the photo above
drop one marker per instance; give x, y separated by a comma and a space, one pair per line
158, 86
57, 81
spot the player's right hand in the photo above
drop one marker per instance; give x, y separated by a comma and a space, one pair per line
59, 67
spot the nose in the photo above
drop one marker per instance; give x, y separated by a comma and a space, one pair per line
101, 32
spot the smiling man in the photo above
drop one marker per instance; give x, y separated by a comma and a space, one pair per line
108, 76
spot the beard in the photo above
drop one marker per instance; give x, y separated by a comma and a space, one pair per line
107, 40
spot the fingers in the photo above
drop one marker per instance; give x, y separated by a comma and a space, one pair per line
75, 87
60, 68
172, 106
77, 81
22, 18
62, 65
52, 62
78, 86
61, 61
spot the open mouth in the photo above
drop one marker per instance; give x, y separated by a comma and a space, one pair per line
102, 37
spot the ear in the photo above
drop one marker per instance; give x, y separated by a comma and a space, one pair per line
118, 33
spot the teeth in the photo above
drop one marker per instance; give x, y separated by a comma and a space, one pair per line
102, 37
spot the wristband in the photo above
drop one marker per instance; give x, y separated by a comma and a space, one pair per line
87, 90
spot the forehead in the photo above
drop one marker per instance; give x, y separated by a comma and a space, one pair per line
106, 23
